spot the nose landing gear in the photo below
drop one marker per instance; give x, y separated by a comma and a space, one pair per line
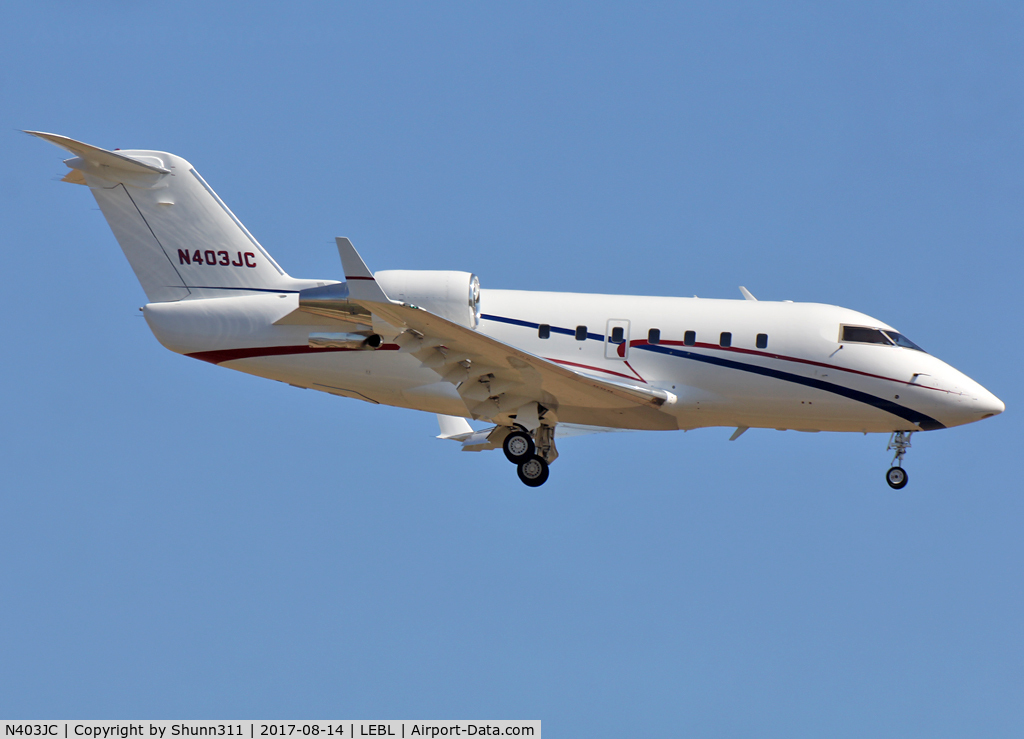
896, 476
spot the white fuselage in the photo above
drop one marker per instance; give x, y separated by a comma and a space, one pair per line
801, 377
531, 364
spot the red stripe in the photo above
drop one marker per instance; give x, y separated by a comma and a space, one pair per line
228, 355
587, 366
217, 356
636, 373
621, 349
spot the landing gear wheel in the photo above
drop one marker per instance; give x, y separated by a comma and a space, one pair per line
533, 472
518, 447
896, 477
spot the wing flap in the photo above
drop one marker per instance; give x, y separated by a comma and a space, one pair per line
464, 344
497, 378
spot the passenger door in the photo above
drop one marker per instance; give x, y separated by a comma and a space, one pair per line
616, 339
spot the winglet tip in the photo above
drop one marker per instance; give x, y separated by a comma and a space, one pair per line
43, 135
362, 284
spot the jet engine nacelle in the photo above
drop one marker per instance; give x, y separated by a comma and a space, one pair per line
451, 295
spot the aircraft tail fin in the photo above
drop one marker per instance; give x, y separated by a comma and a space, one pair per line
178, 235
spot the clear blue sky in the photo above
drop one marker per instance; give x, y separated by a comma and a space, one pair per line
182, 541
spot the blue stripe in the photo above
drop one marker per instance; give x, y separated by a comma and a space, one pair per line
920, 419
528, 324
925, 422
513, 321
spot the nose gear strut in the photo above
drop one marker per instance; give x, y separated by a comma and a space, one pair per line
896, 476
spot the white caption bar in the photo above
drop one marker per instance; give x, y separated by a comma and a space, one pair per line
348, 729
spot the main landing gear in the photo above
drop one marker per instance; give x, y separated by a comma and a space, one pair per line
518, 447
896, 476
531, 456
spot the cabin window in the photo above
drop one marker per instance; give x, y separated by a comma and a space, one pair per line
581, 333
762, 341
654, 336
618, 335
725, 339
864, 335
690, 338
544, 331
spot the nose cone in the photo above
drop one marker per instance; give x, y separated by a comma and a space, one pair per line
987, 404
971, 402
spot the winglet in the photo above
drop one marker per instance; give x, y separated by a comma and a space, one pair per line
746, 294
361, 283
98, 156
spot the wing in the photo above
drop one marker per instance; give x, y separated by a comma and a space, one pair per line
497, 381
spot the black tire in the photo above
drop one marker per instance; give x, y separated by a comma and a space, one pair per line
518, 447
897, 478
533, 472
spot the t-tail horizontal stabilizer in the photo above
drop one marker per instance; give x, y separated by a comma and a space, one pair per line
100, 157
180, 238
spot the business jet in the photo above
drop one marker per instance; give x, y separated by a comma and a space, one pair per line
533, 366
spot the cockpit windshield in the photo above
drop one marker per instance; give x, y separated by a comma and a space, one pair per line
866, 335
901, 340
